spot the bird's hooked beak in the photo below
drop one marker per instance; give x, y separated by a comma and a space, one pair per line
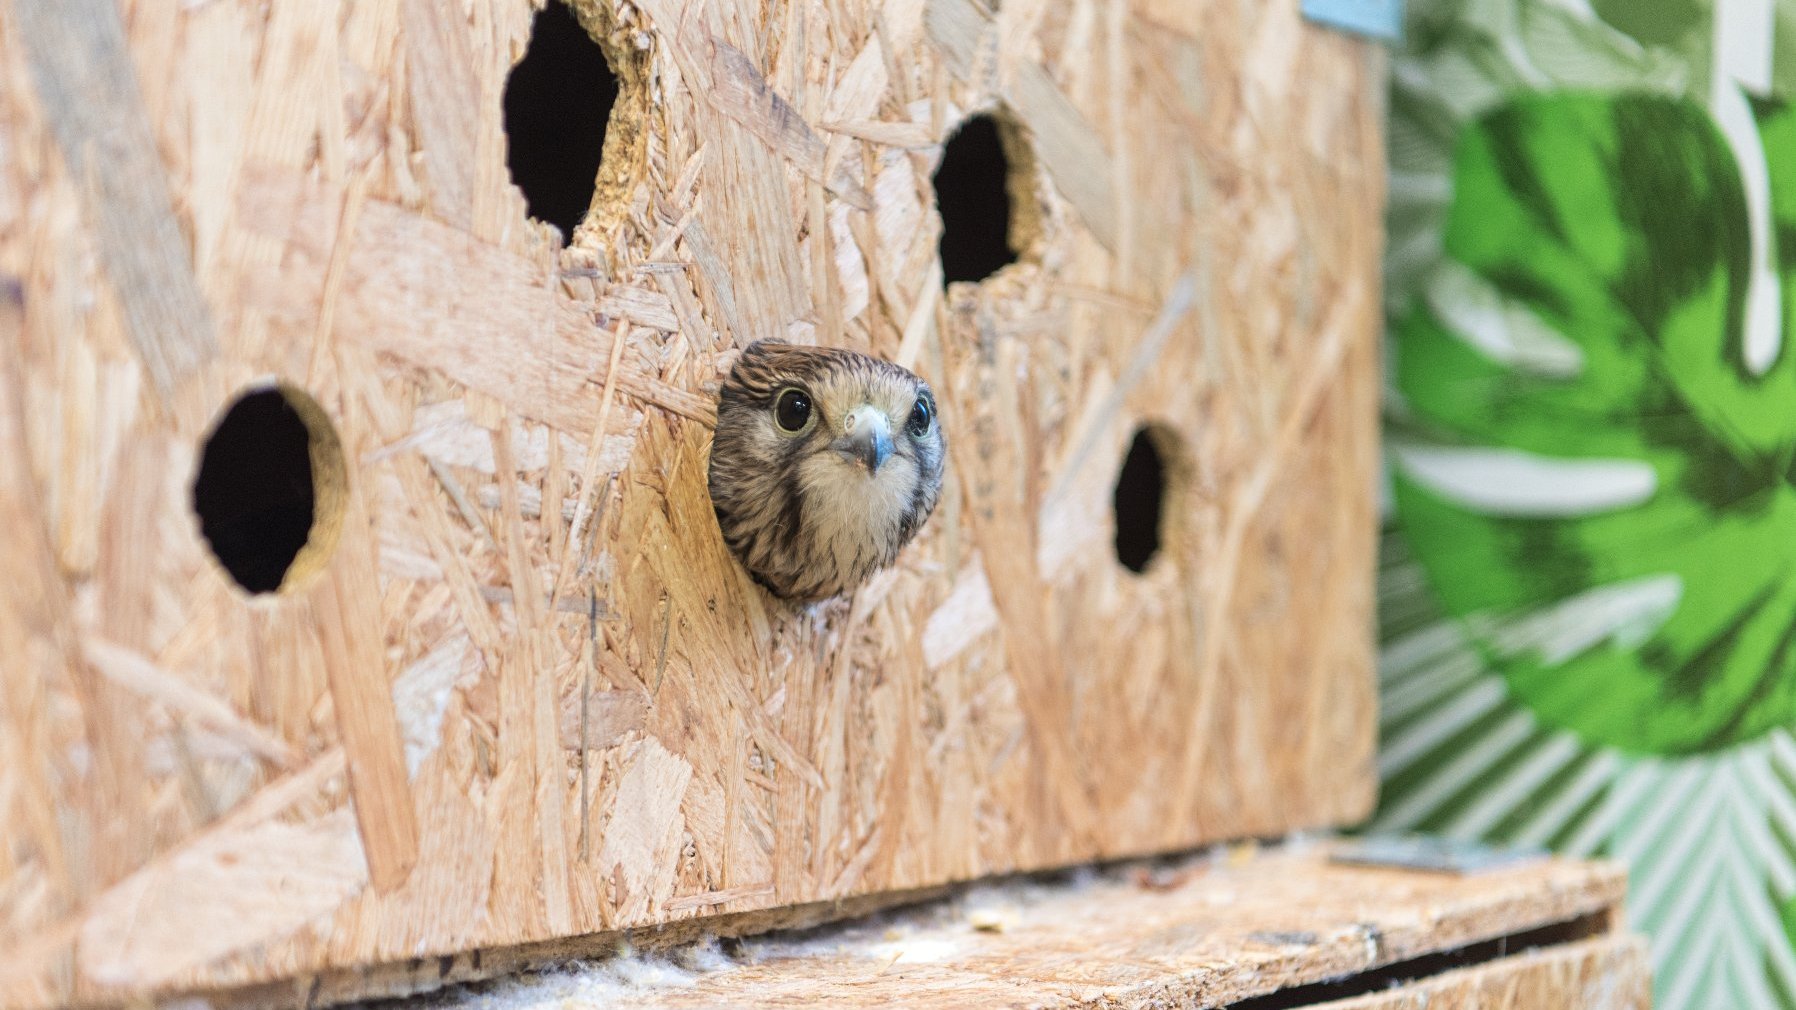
866, 438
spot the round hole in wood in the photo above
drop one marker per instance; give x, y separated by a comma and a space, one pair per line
558, 103
1141, 496
271, 488
972, 194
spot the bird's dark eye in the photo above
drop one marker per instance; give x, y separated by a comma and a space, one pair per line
793, 410
918, 425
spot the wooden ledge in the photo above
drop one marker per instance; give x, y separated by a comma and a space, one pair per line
1284, 927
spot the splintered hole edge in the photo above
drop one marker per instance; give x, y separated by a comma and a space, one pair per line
1142, 495
270, 488
557, 104
982, 193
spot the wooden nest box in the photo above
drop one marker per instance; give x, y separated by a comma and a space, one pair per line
364, 604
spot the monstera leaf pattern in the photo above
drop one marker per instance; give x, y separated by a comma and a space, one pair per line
1620, 223
1587, 587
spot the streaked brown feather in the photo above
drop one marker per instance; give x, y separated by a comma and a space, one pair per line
805, 525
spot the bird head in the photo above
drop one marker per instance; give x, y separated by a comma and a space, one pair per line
824, 465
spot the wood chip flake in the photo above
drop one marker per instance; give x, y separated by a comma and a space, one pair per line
138, 674
230, 892
643, 833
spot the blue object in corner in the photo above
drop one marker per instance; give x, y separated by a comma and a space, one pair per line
1380, 18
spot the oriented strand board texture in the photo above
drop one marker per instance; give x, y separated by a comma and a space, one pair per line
1205, 933
1610, 973
529, 694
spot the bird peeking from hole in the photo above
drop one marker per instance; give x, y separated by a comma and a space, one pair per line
825, 464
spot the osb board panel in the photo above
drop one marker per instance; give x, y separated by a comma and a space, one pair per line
1204, 933
529, 694
1610, 973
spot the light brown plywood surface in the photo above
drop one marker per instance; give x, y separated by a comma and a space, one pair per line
1607, 973
527, 693
1286, 926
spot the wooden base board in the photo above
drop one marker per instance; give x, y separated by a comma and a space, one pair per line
1248, 929
1602, 973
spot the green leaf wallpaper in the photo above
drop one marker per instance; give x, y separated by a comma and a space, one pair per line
1588, 578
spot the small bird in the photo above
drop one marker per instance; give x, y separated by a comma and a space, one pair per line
824, 465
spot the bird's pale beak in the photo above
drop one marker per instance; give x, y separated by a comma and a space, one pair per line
867, 439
